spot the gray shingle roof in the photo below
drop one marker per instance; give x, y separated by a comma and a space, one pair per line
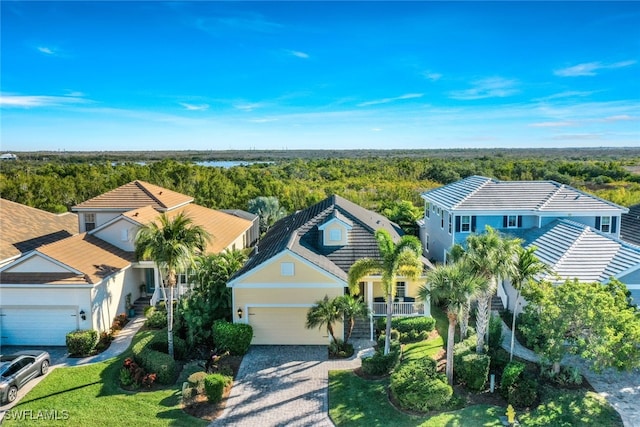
630, 225
299, 234
478, 193
574, 250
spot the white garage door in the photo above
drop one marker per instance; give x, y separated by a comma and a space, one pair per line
284, 325
36, 326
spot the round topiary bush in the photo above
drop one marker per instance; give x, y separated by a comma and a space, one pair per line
81, 343
214, 385
417, 386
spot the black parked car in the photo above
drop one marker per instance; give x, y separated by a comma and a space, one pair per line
17, 369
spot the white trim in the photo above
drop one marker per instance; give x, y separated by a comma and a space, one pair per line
46, 286
322, 226
279, 305
288, 285
40, 254
115, 220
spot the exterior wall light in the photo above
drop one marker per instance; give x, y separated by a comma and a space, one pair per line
239, 313
83, 315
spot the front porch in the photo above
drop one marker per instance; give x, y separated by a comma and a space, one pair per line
401, 307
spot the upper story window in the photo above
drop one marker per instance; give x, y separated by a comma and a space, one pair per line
442, 221
465, 223
512, 221
450, 223
335, 235
89, 221
401, 289
438, 211
427, 210
287, 269
426, 242
607, 224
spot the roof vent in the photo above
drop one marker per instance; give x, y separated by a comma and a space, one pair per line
160, 193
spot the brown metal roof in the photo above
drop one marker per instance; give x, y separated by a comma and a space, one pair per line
23, 228
136, 194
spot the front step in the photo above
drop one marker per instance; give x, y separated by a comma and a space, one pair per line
496, 304
140, 304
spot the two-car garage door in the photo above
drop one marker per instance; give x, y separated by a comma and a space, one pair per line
284, 325
36, 325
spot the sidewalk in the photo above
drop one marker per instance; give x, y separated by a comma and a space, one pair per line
120, 343
518, 349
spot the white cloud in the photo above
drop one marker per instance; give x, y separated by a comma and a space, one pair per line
376, 130
298, 54
619, 118
387, 100
590, 68
494, 87
248, 106
551, 124
432, 76
46, 50
566, 94
263, 120
194, 107
28, 101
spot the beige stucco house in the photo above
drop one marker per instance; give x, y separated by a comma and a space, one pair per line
81, 281
306, 256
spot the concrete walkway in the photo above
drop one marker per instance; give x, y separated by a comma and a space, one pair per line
284, 386
621, 389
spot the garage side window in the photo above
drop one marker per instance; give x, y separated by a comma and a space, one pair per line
286, 269
89, 221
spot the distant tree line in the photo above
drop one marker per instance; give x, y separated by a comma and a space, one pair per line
374, 182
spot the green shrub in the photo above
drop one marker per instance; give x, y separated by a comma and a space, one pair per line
473, 370
499, 360
463, 348
161, 343
510, 376
157, 320
568, 376
418, 387
339, 349
126, 379
148, 311
232, 337
417, 324
196, 380
82, 343
524, 392
379, 364
214, 385
395, 338
495, 332
154, 361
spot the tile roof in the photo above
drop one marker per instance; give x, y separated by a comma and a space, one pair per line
94, 258
224, 228
135, 195
630, 225
23, 228
478, 193
574, 250
298, 233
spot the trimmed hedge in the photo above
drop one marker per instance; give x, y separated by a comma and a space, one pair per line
154, 361
232, 337
161, 343
416, 323
82, 343
379, 364
510, 376
214, 385
156, 320
417, 386
474, 370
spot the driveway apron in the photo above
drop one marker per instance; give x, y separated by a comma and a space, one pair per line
279, 386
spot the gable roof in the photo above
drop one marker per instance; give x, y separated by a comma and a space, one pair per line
630, 225
575, 250
133, 195
224, 228
23, 228
79, 254
478, 193
298, 233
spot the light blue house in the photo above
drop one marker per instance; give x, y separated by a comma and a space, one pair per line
577, 234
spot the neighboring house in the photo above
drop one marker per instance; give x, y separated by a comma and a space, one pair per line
8, 156
454, 211
23, 228
630, 225
577, 234
305, 257
84, 281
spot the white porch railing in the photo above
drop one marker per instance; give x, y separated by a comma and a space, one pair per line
178, 291
399, 309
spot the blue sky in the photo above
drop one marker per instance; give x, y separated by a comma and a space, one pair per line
318, 75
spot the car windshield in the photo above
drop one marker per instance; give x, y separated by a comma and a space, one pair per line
3, 367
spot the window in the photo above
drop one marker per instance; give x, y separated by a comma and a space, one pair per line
335, 235
89, 221
286, 269
401, 289
605, 224
442, 221
426, 242
182, 279
450, 223
512, 221
465, 223
438, 211
427, 210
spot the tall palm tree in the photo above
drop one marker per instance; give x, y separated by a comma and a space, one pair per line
325, 312
456, 254
453, 285
173, 244
490, 256
396, 259
352, 308
268, 209
527, 267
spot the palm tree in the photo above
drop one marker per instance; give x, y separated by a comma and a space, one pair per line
397, 259
173, 244
352, 308
489, 255
456, 254
528, 266
324, 312
268, 209
453, 285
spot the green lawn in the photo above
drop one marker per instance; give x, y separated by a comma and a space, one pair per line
91, 397
422, 349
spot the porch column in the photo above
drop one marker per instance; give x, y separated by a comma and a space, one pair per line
427, 305
370, 304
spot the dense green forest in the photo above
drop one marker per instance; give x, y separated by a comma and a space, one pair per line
57, 181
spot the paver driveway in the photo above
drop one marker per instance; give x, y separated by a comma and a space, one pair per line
282, 386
